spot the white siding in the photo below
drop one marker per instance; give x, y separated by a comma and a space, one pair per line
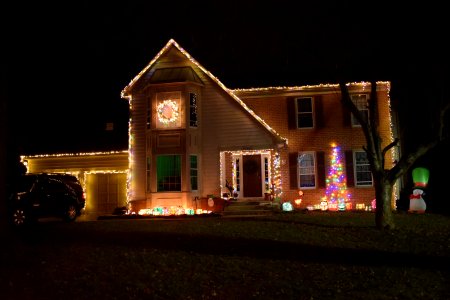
138, 150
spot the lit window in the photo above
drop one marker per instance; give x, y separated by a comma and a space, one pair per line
238, 175
304, 112
363, 175
306, 170
361, 103
193, 110
168, 169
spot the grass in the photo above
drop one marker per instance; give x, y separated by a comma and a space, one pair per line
313, 255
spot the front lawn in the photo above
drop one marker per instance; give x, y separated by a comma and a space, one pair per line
313, 255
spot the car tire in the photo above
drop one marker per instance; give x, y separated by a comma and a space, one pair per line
71, 213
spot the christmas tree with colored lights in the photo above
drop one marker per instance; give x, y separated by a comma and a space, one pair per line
336, 190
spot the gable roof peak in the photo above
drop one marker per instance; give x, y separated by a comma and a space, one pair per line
126, 92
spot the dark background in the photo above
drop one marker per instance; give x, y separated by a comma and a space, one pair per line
66, 64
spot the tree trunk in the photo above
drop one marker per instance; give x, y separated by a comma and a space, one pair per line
384, 219
3, 143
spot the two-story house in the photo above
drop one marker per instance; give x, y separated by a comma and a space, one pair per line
192, 137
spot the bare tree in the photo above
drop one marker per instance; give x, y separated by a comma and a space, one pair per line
3, 143
384, 179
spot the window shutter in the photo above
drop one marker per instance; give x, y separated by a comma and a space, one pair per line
293, 183
347, 114
349, 168
320, 169
291, 112
318, 112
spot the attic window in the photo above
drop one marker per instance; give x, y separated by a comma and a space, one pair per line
304, 112
360, 101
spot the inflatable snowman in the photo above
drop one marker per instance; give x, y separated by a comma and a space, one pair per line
416, 202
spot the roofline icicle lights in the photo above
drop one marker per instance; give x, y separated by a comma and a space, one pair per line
72, 154
308, 87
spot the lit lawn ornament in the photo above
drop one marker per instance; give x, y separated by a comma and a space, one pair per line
360, 206
373, 204
287, 206
332, 206
336, 182
324, 204
420, 177
299, 200
416, 202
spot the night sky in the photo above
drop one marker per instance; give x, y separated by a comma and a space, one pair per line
67, 63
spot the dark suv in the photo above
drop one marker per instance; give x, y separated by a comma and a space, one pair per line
46, 195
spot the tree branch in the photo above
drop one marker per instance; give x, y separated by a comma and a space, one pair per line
406, 161
393, 144
347, 101
442, 122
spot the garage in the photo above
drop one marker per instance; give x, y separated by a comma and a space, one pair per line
105, 192
102, 174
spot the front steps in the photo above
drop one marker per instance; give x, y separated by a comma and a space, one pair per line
248, 207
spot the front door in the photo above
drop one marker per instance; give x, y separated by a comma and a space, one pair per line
252, 175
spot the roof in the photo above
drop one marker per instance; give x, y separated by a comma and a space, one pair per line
316, 89
126, 92
181, 74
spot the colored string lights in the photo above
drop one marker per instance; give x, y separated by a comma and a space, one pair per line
336, 183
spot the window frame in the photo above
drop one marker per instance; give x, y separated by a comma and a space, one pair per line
365, 111
299, 113
158, 189
148, 167
356, 172
191, 169
148, 122
193, 110
176, 98
299, 168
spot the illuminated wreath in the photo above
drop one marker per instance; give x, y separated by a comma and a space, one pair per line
167, 111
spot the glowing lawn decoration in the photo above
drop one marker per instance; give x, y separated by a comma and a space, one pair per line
171, 211
324, 204
298, 201
287, 206
336, 191
416, 202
